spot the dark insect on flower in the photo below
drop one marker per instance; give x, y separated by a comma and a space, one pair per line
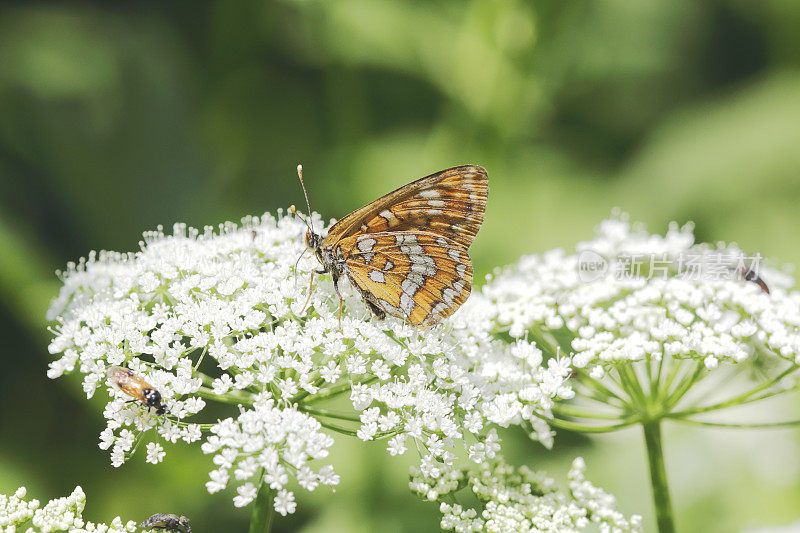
167, 521
136, 388
406, 252
752, 275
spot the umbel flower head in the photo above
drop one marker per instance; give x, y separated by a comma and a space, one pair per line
60, 514
646, 318
218, 316
522, 500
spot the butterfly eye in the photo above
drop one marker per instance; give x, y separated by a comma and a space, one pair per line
311, 241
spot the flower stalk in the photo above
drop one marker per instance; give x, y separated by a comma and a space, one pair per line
658, 476
263, 509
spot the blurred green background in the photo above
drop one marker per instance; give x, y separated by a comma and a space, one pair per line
119, 116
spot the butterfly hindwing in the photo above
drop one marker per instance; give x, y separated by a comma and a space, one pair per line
450, 203
418, 276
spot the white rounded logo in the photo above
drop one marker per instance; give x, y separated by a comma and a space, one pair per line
591, 266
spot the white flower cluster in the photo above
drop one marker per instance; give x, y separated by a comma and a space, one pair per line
267, 438
647, 296
521, 500
61, 514
219, 316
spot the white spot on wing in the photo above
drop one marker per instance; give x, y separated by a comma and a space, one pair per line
408, 238
407, 303
453, 253
431, 193
422, 259
436, 203
388, 215
388, 266
377, 276
411, 249
365, 245
440, 308
425, 270
416, 278
449, 295
461, 269
409, 287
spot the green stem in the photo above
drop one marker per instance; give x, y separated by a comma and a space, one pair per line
598, 391
785, 423
335, 390
263, 508
630, 383
330, 414
578, 412
658, 477
580, 428
233, 397
742, 398
686, 383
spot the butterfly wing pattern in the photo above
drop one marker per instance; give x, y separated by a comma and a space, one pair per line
406, 252
414, 275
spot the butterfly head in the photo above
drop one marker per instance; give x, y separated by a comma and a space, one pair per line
313, 240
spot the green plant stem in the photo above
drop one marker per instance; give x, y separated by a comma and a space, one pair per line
785, 423
742, 398
658, 476
686, 383
599, 392
330, 414
233, 397
575, 411
629, 381
263, 509
580, 428
324, 394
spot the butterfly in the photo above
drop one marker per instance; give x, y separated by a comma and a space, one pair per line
406, 252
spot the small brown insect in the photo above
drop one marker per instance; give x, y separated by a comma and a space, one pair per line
136, 388
167, 521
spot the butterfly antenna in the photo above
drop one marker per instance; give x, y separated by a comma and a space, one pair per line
305, 194
307, 220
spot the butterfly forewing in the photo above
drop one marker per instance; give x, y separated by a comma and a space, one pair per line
418, 276
450, 203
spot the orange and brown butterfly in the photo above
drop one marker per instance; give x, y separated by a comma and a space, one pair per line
406, 252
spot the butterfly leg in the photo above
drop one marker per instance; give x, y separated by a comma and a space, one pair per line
310, 286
